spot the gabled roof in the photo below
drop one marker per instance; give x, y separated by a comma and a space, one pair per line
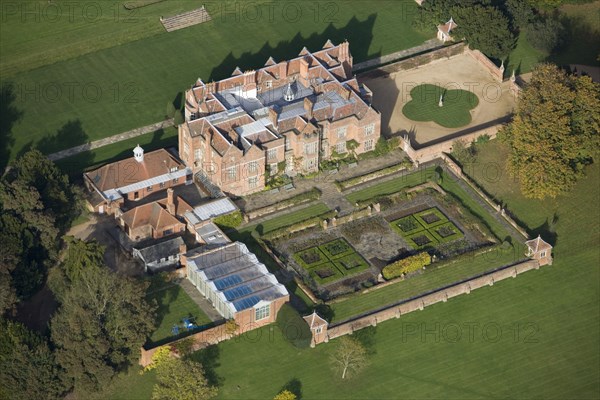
270, 61
314, 320
328, 44
161, 250
129, 171
237, 71
537, 245
152, 214
448, 26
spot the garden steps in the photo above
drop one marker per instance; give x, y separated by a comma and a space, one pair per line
184, 20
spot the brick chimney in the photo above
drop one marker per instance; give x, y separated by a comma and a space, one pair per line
273, 116
304, 72
283, 70
308, 108
170, 201
250, 82
182, 248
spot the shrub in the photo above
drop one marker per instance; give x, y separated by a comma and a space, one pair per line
231, 220
178, 118
406, 265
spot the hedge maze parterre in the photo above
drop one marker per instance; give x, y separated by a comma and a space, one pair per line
331, 261
425, 229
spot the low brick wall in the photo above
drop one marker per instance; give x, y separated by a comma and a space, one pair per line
419, 303
496, 72
414, 62
434, 151
458, 172
281, 205
201, 340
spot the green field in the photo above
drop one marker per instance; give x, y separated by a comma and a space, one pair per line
288, 219
535, 336
128, 83
454, 112
391, 186
174, 304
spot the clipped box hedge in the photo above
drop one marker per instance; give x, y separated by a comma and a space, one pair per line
406, 265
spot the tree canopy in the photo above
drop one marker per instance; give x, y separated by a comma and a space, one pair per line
28, 369
554, 133
349, 357
102, 322
182, 379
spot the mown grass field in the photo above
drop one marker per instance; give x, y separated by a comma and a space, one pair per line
129, 83
535, 336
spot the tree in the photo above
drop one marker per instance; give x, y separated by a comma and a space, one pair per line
349, 357
285, 395
102, 322
161, 356
28, 369
484, 28
554, 133
182, 379
82, 255
231, 327
521, 13
546, 34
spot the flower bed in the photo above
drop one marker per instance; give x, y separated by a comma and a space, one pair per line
407, 225
310, 257
430, 218
421, 240
325, 273
336, 248
446, 232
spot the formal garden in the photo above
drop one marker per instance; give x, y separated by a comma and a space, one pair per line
450, 108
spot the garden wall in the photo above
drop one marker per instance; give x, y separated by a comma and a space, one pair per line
434, 151
201, 340
415, 62
304, 197
419, 303
496, 72
458, 172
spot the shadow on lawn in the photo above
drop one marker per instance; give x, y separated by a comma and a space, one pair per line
358, 33
9, 116
294, 386
209, 358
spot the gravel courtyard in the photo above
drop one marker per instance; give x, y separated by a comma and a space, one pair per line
392, 92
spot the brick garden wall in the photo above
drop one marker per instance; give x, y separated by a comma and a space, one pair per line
421, 302
496, 72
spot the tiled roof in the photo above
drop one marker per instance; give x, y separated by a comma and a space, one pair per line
152, 214
314, 320
129, 171
537, 245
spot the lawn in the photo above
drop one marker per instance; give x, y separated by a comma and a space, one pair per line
174, 304
129, 84
75, 165
535, 336
391, 186
454, 112
287, 219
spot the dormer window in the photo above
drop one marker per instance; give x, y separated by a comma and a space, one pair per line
173, 169
269, 84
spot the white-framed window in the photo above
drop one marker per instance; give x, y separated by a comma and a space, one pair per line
269, 84
186, 149
311, 148
341, 132
197, 154
273, 168
543, 254
262, 312
161, 185
272, 154
253, 181
340, 147
289, 164
149, 188
231, 173
288, 144
253, 167
369, 145
319, 329
369, 129
175, 181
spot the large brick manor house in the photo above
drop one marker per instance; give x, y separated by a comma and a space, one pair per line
286, 117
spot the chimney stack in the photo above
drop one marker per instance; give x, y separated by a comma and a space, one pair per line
308, 107
170, 202
273, 116
283, 70
304, 72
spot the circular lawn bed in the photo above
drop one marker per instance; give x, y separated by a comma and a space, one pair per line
454, 113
